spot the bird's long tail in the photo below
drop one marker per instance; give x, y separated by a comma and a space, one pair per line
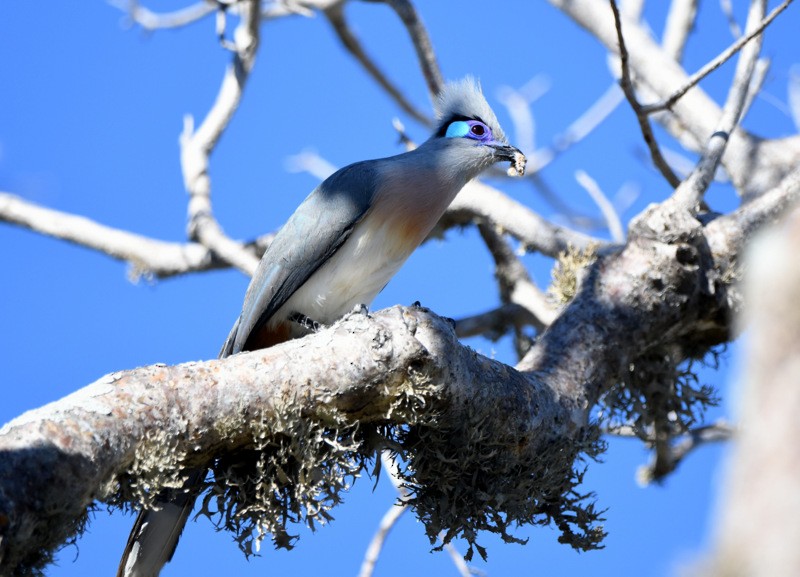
155, 535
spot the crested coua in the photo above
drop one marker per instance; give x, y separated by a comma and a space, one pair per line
338, 250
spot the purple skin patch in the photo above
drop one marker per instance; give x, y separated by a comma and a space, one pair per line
474, 129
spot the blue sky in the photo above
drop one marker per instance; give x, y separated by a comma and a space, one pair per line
89, 123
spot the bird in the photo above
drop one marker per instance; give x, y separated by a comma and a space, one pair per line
336, 252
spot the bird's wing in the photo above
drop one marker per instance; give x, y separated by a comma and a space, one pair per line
319, 226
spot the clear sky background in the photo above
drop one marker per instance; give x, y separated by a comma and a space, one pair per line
89, 121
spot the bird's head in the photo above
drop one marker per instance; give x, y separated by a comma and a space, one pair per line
468, 130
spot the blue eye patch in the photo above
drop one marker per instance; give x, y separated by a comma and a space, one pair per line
457, 129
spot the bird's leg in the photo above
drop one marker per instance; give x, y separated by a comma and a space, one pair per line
360, 309
305, 322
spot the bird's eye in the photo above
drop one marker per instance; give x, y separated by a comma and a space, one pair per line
479, 131
472, 129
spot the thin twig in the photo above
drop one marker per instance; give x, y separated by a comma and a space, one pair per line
564, 212
391, 517
717, 432
644, 122
422, 44
479, 201
335, 15
495, 323
310, 162
521, 118
680, 23
613, 220
197, 145
375, 546
600, 109
691, 191
716, 63
727, 9
150, 20
513, 279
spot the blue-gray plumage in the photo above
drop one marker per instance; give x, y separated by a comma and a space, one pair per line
354, 231
338, 250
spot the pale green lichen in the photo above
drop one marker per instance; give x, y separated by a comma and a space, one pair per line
156, 466
295, 471
567, 271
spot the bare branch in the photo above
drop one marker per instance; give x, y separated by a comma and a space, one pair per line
727, 234
512, 277
723, 57
727, 10
422, 44
197, 145
482, 202
336, 17
150, 20
518, 103
147, 256
666, 462
754, 165
388, 521
691, 191
310, 162
271, 9
697, 437
601, 200
680, 22
641, 115
495, 323
580, 128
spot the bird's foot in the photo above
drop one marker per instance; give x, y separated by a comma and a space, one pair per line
360, 309
306, 322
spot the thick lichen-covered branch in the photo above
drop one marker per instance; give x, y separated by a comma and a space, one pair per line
305, 416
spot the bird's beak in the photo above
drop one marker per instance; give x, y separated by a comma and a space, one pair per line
514, 155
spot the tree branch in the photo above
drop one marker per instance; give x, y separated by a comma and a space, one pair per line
147, 256
336, 17
197, 145
479, 201
422, 44
680, 22
151, 21
722, 58
644, 122
754, 165
516, 286
402, 366
495, 323
613, 221
691, 191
